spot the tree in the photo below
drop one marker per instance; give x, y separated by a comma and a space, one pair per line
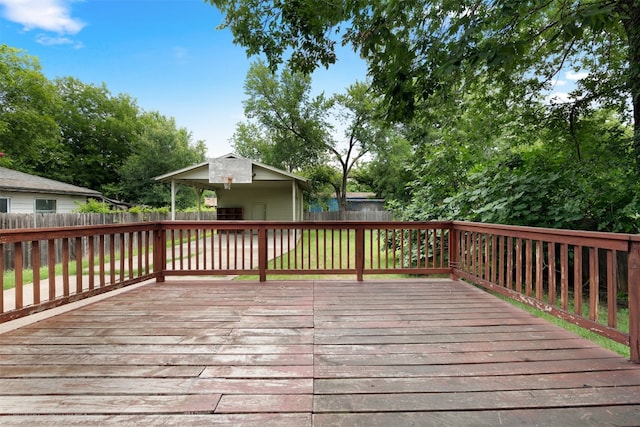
29, 135
389, 173
288, 129
293, 131
98, 131
362, 132
421, 51
161, 148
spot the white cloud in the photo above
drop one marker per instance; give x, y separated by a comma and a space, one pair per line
575, 76
558, 98
46, 40
48, 15
559, 82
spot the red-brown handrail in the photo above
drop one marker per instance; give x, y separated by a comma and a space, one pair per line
91, 251
562, 272
574, 275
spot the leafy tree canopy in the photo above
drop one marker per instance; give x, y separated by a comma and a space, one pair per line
82, 134
161, 148
29, 134
424, 51
288, 129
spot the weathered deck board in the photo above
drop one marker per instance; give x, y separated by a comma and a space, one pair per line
378, 353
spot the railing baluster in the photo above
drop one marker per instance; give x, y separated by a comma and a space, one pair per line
634, 300
220, 232
509, 263
102, 260
539, 265
36, 271
123, 256
612, 289
494, 258
564, 276
594, 283
2, 246
65, 267
112, 258
501, 258
552, 272
91, 260
51, 265
130, 253
529, 268
487, 258
577, 280
78, 265
518, 265
18, 274
173, 249
188, 247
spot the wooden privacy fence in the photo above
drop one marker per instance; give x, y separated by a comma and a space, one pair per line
591, 279
349, 216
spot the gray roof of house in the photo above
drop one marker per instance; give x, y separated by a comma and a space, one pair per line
12, 180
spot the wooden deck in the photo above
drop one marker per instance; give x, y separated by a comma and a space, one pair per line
377, 353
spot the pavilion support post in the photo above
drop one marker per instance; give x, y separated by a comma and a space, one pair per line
173, 200
634, 301
294, 216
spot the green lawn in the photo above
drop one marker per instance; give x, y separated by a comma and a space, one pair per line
623, 322
311, 256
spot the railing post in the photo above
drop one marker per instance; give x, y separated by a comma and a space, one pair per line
262, 253
18, 275
454, 251
359, 253
634, 301
159, 253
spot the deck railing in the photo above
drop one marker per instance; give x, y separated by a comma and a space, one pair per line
587, 278
305, 248
591, 279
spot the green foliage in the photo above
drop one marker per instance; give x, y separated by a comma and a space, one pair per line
93, 206
388, 173
292, 131
356, 115
287, 128
324, 182
160, 148
98, 131
29, 134
423, 53
82, 134
561, 176
147, 209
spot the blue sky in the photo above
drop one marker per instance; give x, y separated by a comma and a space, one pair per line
167, 54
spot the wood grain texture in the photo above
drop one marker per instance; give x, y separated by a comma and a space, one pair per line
375, 353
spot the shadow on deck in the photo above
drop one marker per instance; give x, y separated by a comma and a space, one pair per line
407, 352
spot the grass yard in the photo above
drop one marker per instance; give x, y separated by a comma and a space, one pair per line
322, 249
